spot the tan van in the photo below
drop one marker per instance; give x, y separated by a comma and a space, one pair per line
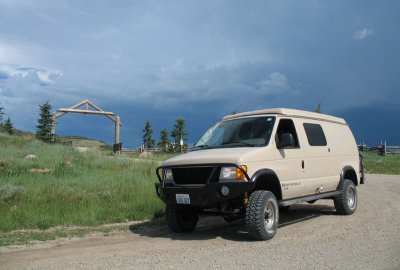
250, 165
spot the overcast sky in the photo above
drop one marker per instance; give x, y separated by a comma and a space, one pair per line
159, 60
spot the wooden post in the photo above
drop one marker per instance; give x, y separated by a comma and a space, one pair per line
53, 127
362, 146
117, 130
384, 149
117, 123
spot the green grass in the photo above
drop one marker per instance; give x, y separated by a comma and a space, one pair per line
81, 189
374, 163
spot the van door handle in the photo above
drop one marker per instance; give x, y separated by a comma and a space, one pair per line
302, 164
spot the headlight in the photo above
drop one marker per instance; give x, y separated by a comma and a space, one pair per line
232, 173
167, 175
228, 173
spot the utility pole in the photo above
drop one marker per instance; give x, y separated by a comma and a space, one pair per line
181, 143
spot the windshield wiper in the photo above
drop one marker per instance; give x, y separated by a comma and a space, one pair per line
245, 143
202, 146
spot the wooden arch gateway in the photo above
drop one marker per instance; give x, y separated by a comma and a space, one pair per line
86, 111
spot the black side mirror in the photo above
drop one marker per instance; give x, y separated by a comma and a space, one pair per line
285, 140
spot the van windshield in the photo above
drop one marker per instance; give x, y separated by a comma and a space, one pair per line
242, 132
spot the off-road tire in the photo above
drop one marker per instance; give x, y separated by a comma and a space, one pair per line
262, 215
181, 219
346, 201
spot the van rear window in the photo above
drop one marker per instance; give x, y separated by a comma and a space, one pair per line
315, 134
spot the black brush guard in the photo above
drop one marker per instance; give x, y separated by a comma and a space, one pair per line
208, 192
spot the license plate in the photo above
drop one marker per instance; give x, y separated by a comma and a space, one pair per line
182, 198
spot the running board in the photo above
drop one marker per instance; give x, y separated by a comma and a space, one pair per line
309, 198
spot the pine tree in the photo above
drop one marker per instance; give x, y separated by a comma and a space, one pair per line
44, 128
164, 140
1, 118
318, 110
179, 131
1, 114
8, 126
148, 141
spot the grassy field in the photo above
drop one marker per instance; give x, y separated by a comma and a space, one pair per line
374, 163
63, 187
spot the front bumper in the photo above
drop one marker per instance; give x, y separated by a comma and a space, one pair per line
207, 194
203, 196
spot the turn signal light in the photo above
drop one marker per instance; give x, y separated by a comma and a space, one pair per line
239, 172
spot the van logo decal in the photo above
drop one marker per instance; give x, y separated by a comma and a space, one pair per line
286, 186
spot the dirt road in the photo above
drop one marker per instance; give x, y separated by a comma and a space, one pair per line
309, 237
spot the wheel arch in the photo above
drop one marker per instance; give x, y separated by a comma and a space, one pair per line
267, 179
349, 173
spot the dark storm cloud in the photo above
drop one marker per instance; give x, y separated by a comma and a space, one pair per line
155, 59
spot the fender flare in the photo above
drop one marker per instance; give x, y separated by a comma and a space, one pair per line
343, 173
274, 185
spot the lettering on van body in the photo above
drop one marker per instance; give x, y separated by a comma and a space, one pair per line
286, 186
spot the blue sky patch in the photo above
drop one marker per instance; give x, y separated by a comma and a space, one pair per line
3, 76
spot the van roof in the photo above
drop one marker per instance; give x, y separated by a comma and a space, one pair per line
289, 112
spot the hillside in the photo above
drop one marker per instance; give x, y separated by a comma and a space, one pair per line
79, 141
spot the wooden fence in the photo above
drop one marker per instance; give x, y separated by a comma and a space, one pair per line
381, 149
154, 150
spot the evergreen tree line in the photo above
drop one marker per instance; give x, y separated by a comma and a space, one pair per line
165, 143
5, 125
43, 129
45, 121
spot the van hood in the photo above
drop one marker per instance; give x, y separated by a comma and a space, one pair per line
218, 155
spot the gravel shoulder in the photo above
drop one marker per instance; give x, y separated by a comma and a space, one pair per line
309, 237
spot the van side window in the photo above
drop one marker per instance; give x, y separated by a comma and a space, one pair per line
286, 126
315, 134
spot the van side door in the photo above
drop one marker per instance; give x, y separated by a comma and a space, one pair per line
319, 161
289, 165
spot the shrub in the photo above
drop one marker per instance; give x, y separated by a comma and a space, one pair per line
11, 193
